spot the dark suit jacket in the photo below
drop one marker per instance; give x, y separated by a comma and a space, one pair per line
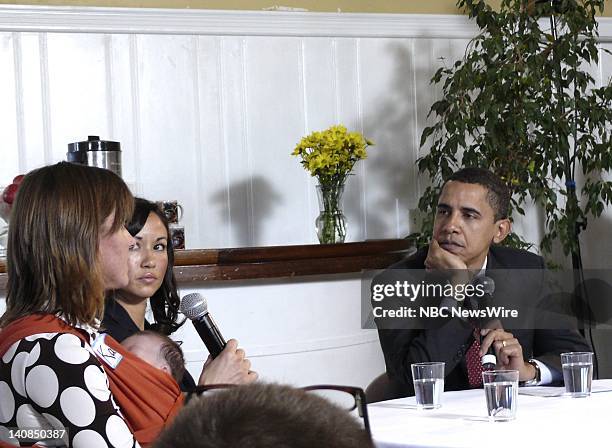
450, 341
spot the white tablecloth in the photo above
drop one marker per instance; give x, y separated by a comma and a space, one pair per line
541, 421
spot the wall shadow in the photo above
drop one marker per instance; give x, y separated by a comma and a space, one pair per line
245, 211
396, 118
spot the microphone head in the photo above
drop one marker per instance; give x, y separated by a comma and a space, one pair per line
193, 305
488, 284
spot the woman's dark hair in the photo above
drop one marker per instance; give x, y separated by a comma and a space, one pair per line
165, 302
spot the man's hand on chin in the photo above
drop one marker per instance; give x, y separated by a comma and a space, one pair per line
438, 258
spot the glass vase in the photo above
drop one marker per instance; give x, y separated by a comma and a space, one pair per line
330, 224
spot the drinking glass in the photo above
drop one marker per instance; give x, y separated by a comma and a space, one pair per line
428, 379
577, 373
501, 390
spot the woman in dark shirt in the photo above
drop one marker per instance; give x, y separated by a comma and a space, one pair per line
151, 277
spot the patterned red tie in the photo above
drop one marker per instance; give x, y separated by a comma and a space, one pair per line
472, 359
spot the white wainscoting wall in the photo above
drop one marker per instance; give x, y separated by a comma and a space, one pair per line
207, 106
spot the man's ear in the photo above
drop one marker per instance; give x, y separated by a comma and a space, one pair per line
503, 227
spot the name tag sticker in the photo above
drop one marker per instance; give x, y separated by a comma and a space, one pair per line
105, 353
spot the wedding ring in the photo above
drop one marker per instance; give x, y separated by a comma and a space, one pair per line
504, 343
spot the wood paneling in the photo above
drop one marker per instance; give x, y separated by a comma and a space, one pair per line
208, 106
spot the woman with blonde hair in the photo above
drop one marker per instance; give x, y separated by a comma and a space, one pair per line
67, 245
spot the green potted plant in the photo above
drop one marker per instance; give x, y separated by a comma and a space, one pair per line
523, 103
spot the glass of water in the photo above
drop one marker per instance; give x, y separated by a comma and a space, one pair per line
501, 390
428, 379
577, 373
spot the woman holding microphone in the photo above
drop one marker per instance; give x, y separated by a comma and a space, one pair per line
151, 279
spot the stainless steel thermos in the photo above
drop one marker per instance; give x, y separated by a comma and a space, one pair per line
96, 152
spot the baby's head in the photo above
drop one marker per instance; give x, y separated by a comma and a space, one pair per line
158, 350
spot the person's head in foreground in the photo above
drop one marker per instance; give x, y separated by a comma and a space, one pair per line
263, 416
158, 350
472, 214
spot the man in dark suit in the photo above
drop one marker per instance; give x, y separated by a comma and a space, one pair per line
471, 218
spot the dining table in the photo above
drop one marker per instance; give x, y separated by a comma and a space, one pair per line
545, 417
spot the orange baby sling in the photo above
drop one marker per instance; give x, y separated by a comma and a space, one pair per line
148, 397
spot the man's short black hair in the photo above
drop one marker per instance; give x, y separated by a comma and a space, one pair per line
498, 194
263, 416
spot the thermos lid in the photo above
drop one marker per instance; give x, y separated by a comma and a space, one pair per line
93, 143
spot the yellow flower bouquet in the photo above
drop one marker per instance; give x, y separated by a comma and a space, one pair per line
329, 156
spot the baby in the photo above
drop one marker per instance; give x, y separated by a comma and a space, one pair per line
158, 350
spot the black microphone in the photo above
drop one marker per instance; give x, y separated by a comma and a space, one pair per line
488, 360
194, 307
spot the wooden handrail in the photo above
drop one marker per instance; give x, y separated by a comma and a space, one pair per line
242, 263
